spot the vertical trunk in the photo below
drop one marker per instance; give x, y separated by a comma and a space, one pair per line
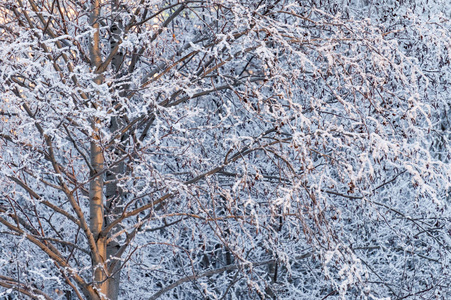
113, 195
113, 198
107, 281
96, 216
113, 192
100, 268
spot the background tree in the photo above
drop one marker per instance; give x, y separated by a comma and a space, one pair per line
224, 149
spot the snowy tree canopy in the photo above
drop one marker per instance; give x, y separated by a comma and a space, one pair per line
227, 149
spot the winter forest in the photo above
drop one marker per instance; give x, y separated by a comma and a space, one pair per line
225, 149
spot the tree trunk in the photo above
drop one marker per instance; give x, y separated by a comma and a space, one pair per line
96, 198
113, 192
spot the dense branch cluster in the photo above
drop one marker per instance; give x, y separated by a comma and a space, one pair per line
230, 149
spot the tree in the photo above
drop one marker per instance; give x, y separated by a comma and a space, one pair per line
224, 149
